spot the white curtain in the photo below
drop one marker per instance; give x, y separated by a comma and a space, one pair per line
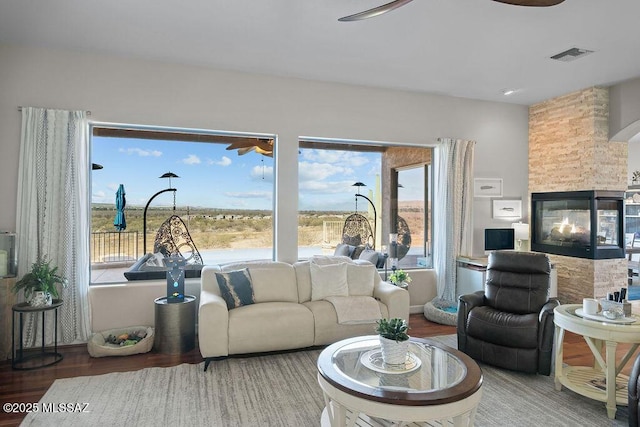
453, 211
53, 215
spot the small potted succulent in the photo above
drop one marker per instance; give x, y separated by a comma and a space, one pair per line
400, 278
394, 340
40, 284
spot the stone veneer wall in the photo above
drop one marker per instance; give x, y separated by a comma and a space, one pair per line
569, 150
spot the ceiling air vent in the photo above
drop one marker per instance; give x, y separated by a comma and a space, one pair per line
571, 54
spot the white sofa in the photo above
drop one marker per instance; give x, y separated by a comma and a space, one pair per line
284, 316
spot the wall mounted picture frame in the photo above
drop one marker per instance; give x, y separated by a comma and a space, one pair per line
507, 208
487, 187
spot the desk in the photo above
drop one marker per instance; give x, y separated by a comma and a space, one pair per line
18, 359
598, 336
446, 386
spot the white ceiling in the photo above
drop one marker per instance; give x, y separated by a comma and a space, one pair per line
465, 48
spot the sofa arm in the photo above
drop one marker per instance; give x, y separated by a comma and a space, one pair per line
213, 325
396, 299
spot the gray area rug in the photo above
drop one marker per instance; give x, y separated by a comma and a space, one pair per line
282, 390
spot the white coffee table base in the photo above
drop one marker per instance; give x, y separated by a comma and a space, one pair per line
341, 407
599, 336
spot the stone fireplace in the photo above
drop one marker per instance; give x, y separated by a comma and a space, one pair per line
569, 150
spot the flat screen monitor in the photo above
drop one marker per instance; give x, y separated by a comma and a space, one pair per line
496, 239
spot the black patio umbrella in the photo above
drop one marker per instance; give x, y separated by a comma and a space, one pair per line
120, 221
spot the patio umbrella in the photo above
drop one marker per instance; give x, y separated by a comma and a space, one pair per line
120, 222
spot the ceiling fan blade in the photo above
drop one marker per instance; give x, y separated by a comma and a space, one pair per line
533, 3
375, 11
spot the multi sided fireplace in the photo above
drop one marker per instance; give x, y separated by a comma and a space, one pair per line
583, 224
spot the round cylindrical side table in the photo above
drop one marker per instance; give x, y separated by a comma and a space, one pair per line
175, 324
19, 360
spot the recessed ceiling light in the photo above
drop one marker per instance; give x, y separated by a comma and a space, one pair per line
507, 92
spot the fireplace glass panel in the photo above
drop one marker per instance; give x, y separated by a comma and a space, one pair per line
564, 223
608, 223
585, 224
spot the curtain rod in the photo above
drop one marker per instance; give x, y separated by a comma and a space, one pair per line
20, 109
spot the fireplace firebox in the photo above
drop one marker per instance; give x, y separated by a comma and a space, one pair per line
582, 224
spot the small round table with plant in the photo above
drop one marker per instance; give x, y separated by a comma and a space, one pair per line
400, 278
40, 288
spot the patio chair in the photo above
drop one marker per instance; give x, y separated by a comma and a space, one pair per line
173, 238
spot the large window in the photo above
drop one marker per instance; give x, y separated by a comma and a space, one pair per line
348, 191
223, 197
329, 179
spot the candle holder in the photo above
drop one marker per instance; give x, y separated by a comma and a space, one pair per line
8, 263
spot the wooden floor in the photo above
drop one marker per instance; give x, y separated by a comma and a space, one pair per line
30, 386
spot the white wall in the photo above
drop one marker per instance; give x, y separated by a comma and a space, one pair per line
128, 90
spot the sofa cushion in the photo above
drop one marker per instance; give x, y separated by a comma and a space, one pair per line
272, 280
369, 255
236, 288
327, 328
269, 326
328, 280
360, 279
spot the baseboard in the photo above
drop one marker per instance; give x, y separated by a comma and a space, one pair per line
416, 309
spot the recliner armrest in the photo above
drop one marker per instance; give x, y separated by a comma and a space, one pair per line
634, 393
465, 304
546, 331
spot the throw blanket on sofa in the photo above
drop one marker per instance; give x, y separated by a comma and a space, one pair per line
355, 309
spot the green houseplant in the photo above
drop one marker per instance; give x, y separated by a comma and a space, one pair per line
394, 340
400, 278
40, 284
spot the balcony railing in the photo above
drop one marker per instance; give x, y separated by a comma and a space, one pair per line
114, 247
331, 233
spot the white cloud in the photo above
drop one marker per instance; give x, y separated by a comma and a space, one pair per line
262, 172
250, 195
99, 197
308, 171
327, 187
113, 187
140, 152
346, 158
225, 161
192, 159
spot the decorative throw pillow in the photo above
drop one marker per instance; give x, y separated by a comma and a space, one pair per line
356, 252
369, 255
360, 279
236, 288
328, 280
342, 249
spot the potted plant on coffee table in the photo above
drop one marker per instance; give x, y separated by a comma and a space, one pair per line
394, 340
40, 284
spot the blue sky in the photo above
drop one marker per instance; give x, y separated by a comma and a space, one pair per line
211, 176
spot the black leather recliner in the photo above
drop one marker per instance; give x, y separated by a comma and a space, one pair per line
510, 323
634, 394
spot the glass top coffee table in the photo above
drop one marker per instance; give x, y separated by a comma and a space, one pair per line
437, 383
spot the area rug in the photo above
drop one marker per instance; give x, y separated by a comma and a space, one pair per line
282, 390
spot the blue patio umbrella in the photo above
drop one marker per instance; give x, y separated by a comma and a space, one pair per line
120, 222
